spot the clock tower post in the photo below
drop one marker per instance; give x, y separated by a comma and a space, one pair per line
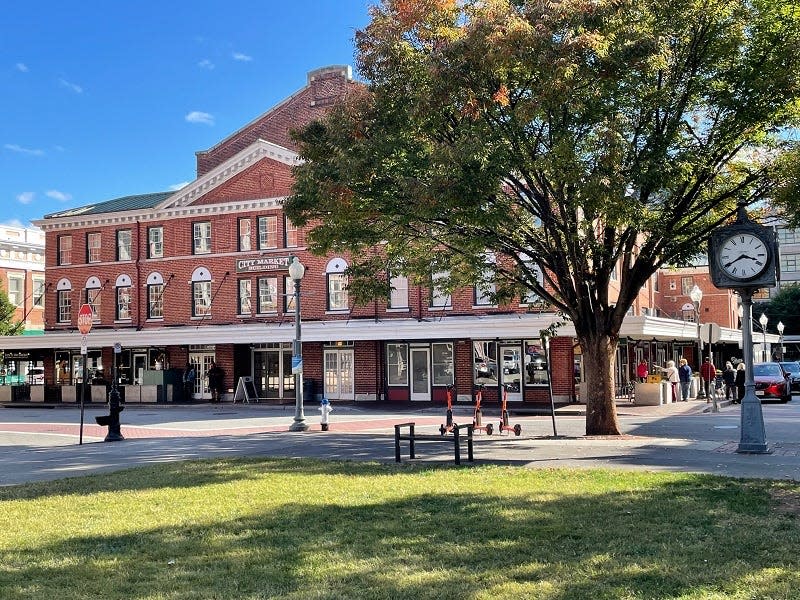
743, 256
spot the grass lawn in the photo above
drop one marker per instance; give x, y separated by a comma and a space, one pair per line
310, 529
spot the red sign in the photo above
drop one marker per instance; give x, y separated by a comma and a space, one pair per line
85, 318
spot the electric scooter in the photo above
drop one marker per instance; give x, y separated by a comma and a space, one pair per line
449, 425
476, 419
504, 426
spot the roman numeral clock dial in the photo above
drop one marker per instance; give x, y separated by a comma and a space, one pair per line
743, 256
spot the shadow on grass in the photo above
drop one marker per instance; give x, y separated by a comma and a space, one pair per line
382, 532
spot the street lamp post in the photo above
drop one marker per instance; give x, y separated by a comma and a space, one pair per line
763, 321
780, 333
296, 272
696, 296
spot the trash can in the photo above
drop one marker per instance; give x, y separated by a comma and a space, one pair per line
308, 389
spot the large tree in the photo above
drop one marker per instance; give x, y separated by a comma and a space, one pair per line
577, 139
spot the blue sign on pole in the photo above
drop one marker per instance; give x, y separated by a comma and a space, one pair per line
297, 365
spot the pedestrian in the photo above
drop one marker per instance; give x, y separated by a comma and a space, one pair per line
729, 379
216, 382
685, 379
740, 382
708, 372
642, 371
189, 376
672, 377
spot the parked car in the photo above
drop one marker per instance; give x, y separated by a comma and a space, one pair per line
485, 367
771, 381
793, 368
36, 375
511, 362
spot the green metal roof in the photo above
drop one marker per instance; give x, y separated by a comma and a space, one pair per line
137, 202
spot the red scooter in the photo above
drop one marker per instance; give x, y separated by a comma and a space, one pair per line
476, 418
449, 425
504, 426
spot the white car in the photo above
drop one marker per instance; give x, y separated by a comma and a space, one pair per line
35, 376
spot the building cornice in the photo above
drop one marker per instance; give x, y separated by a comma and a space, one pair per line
179, 204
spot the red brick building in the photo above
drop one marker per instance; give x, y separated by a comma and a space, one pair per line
201, 275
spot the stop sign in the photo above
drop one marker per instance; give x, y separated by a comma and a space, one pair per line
85, 319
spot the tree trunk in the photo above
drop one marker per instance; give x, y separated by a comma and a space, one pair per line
599, 352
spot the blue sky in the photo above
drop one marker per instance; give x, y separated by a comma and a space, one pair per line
105, 99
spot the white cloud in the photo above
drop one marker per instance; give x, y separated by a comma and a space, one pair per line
206, 64
241, 57
177, 186
26, 197
15, 223
200, 117
19, 149
22, 67
71, 86
56, 195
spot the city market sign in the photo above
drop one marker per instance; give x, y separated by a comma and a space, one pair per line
263, 263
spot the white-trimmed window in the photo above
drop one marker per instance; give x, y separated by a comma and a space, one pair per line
440, 297
155, 242
245, 296
16, 288
267, 295
485, 289
94, 242
288, 298
123, 293
245, 226
94, 289
64, 306
65, 250
529, 297
292, 233
398, 295
124, 244
155, 296
201, 292
38, 291
397, 364
337, 284
201, 236
443, 365
267, 232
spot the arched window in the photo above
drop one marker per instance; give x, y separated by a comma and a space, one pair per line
337, 284
64, 300
155, 296
123, 289
93, 290
201, 292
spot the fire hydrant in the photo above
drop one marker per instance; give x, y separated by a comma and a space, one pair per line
325, 408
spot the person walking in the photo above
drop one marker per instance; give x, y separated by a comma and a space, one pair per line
189, 377
642, 370
708, 373
685, 379
740, 377
729, 379
216, 382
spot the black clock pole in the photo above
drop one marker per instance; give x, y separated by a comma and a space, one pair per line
753, 438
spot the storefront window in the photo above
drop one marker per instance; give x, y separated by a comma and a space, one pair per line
442, 364
397, 364
485, 362
536, 372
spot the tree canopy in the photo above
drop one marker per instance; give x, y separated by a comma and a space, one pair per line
574, 140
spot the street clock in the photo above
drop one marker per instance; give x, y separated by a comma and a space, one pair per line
743, 255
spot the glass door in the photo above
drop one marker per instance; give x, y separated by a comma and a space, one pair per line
511, 372
338, 376
420, 374
202, 363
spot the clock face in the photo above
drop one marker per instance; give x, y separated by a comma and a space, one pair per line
743, 256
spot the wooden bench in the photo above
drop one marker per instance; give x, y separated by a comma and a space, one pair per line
412, 438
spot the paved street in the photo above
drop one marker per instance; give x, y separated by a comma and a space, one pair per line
40, 444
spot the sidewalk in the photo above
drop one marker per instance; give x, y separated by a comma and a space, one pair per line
41, 444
